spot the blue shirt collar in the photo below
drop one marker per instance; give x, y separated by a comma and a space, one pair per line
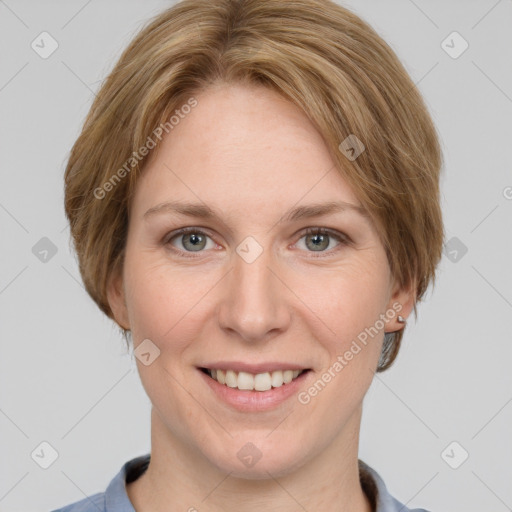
116, 498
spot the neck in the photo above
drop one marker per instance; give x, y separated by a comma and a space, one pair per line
179, 476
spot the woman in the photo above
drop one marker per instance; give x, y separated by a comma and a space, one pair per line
254, 200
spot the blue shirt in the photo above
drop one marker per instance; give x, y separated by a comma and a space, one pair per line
115, 498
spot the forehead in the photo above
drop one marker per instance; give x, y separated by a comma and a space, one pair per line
242, 148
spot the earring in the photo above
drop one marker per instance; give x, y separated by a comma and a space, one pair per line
401, 319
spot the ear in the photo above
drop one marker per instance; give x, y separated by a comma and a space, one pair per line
401, 301
116, 299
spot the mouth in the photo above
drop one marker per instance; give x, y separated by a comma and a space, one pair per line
245, 381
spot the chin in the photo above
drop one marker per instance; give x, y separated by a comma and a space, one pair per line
258, 457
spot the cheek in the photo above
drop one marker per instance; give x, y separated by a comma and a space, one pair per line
350, 303
349, 298
155, 298
165, 303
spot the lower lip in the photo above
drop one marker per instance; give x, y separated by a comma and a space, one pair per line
252, 401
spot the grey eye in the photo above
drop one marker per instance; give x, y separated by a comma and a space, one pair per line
193, 241
319, 241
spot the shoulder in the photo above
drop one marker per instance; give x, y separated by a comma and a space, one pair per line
115, 498
376, 490
94, 503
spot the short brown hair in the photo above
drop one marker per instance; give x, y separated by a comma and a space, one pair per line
318, 55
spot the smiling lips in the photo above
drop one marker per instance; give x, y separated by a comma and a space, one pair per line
249, 381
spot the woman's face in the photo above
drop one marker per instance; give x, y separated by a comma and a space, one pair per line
248, 289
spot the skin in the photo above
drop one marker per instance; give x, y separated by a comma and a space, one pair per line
251, 155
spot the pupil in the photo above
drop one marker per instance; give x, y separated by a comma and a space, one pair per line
194, 241
318, 240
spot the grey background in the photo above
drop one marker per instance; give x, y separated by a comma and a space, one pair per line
64, 375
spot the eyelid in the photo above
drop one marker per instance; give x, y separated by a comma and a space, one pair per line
328, 231
183, 231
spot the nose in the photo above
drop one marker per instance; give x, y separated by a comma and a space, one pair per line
254, 299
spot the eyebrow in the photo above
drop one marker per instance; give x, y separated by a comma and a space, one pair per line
203, 211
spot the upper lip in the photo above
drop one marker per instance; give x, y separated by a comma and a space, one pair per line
239, 366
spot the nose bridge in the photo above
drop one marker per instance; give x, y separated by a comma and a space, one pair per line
254, 303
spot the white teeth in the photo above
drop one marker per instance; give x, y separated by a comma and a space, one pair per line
277, 379
287, 376
259, 382
231, 379
262, 382
245, 380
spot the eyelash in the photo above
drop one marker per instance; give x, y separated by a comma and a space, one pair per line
340, 237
